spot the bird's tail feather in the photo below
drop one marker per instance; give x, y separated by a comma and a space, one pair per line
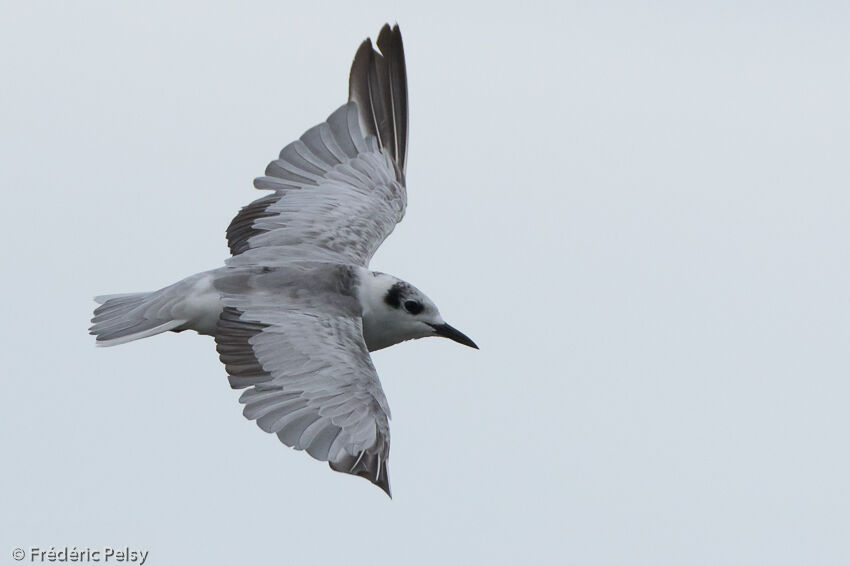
126, 317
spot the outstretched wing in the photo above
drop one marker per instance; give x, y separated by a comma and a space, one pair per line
338, 190
307, 371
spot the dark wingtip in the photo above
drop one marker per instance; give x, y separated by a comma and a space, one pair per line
359, 67
378, 84
387, 35
385, 485
382, 481
368, 466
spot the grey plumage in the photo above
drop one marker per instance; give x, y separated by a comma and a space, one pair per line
233, 343
339, 189
287, 309
298, 347
242, 229
378, 84
337, 196
130, 316
338, 193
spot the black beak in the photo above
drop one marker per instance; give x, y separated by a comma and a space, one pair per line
452, 333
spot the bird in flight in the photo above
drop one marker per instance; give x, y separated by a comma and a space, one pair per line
296, 310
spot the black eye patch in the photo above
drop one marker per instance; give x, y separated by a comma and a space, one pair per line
413, 307
393, 296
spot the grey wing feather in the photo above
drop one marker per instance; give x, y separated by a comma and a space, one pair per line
337, 196
308, 375
339, 189
378, 84
242, 229
390, 44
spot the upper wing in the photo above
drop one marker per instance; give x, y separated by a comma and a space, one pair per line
378, 84
310, 378
338, 190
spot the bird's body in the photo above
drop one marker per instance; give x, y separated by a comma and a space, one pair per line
197, 301
295, 311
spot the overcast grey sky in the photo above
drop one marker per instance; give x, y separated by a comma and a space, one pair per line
639, 211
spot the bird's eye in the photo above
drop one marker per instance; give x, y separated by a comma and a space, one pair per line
413, 307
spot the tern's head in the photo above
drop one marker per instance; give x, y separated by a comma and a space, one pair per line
395, 311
